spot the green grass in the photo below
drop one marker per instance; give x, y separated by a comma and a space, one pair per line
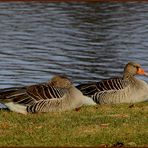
90, 126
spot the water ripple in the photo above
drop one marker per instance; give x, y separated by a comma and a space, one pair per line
86, 41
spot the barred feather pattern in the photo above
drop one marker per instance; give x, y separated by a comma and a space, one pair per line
100, 91
112, 96
47, 105
110, 84
31, 94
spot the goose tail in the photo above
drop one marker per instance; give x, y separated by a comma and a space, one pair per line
16, 107
88, 101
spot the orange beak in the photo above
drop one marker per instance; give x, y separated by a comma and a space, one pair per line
141, 71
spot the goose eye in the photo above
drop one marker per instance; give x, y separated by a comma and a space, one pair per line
137, 68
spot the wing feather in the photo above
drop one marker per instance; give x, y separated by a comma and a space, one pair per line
30, 94
104, 85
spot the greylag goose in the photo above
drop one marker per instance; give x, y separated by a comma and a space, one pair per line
127, 89
57, 95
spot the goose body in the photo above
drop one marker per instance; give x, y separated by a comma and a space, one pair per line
127, 89
57, 95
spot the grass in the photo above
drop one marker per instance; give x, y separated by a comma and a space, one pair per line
117, 125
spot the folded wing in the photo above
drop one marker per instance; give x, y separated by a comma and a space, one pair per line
30, 94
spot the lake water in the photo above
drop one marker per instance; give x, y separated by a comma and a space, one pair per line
86, 41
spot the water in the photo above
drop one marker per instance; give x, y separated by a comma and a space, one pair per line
86, 41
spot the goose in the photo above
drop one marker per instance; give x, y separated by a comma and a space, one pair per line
59, 94
127, 89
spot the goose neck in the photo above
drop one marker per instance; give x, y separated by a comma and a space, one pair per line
131, 79
127, 76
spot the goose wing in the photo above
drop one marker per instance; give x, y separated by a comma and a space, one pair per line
105, 85
30, 94
88, 89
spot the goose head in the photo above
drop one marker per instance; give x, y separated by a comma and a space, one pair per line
61, 81
133, 68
